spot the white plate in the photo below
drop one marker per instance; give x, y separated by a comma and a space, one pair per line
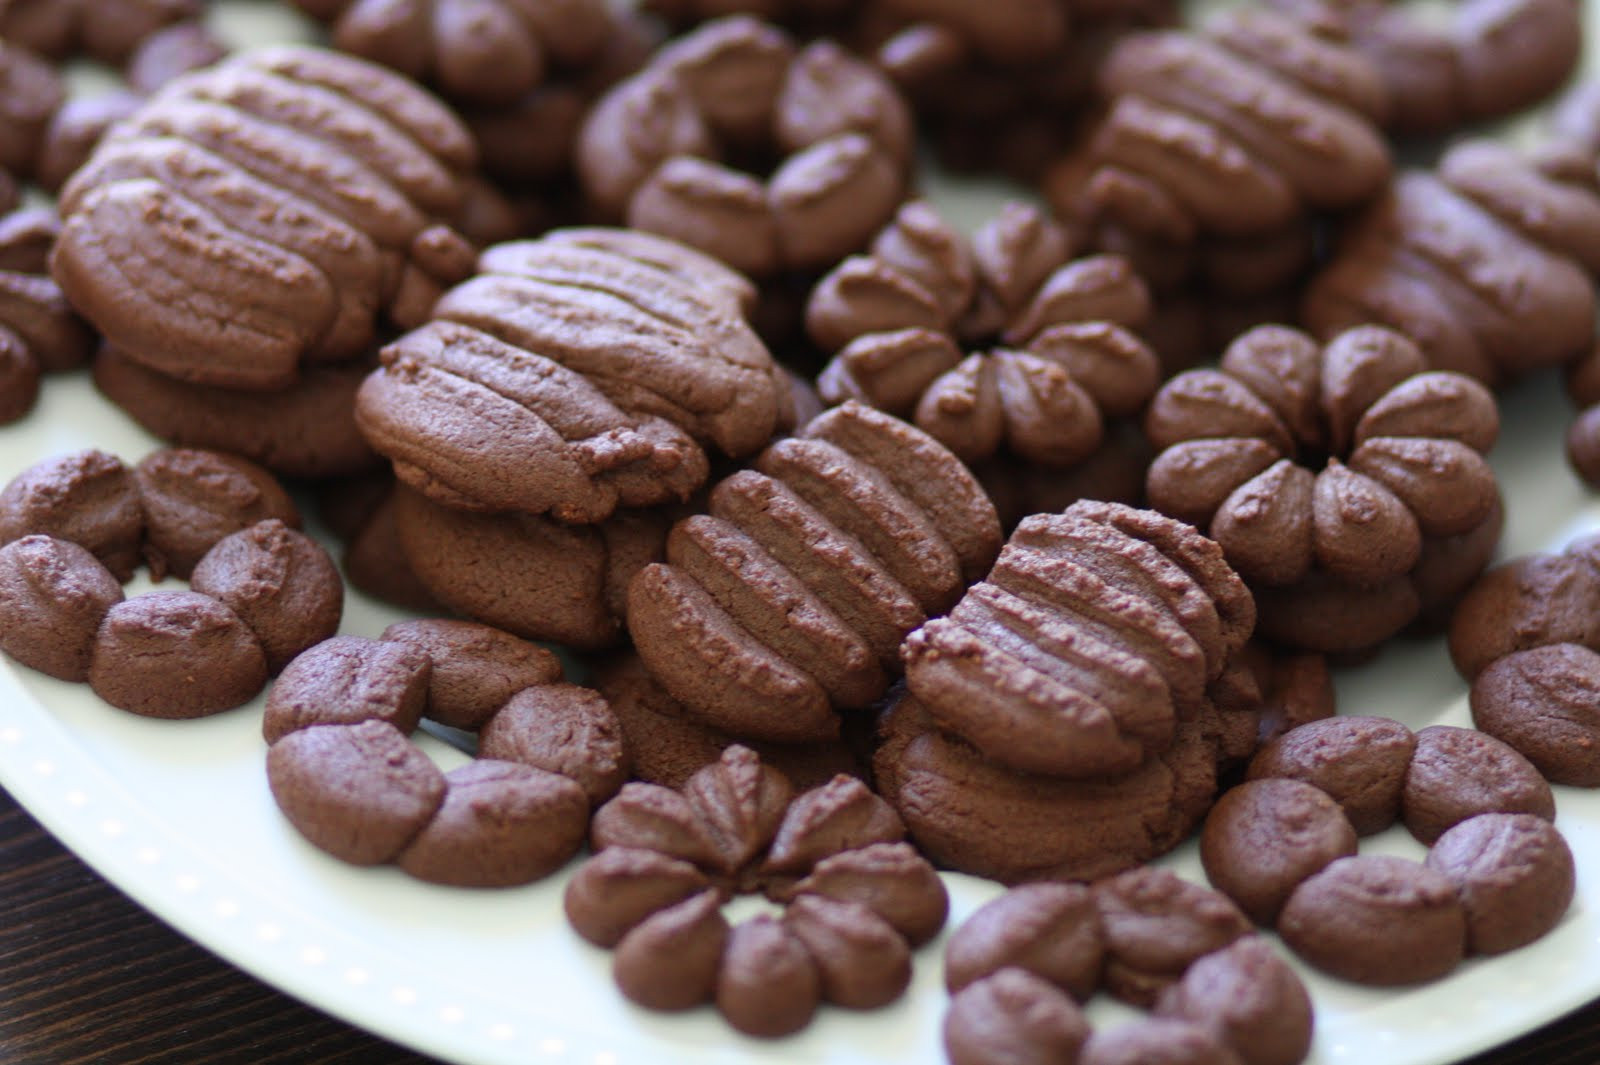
178, 815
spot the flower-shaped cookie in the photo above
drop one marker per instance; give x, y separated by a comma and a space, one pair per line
38, 331
898, 316
856, 899
1329, 476
1019, 968
656, 149
472, 51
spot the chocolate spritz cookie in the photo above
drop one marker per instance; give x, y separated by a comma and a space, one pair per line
1545, 702
1095, 634
787, 601
109, 31
75, 527
1533, 601
997, 86
968, 814
1057, 359
1218, 995
1341, 480
34, 92
572, 375
1283, 845
531, 575
664, 149
1412, 262
39, 333
482, 52
1493, 58
1583, 436
1219, 150
856, 899
306, 430
669, 746
345, 775
293, 196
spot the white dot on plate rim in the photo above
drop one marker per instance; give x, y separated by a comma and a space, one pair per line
147, 855
313, 955
452, 1014
112, 827
77, 799
501, 1031
226, 908
605, 1057
356, 976
44, 767
269, 933
403, 996
552, 1046
10, 735
186, 883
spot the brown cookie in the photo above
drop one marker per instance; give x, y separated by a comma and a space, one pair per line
306, 430
1404, 467
106, 30
854, 895
1377, 920
291, 194
374, 559
900, 318
1097, 630
192, 499
560, 728
1156, 925
487, 53
1457, 773
668, 746
1049, 930
476, 668
1543, 703
1528, 602
1248, 997
582, 428
530, 576
53, 597
652, 149
347, 680
1403, 264
361, 792
1013, 1018
39, 332
1264, 837
797, 588
1360, 762
280, 582
1514, 873
968, 814
88, 498
500, 824
175, 655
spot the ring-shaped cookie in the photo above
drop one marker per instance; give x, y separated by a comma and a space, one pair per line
76, 526
1021, 965
346, 776
856, 898
1283, 845
661, 149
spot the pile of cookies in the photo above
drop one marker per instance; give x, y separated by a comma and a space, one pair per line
886, 548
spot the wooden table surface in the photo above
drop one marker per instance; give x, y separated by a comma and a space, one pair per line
87, 976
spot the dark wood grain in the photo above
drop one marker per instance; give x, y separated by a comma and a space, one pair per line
87, 977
